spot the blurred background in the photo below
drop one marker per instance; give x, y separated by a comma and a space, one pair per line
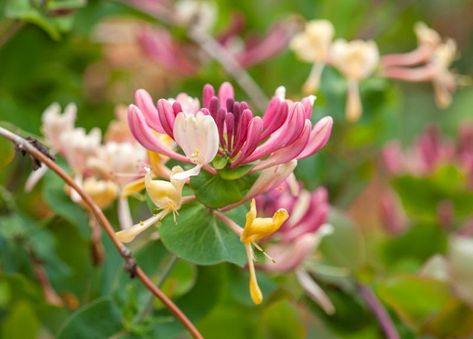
389, 223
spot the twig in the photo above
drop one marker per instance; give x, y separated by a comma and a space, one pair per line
98, 254
379, 311
49, 293
229, 222
220, 54
130, 264
215, 51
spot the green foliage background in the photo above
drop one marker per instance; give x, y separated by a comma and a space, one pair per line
48, 60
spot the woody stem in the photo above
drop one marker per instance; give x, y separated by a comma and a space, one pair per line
135, 271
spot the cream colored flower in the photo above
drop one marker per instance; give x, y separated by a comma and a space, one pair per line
55, 124
426, 35
197, 135
356, 60
444, 81
313, 44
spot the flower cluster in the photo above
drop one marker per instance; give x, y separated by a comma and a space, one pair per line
221, 135
299, 236
429, 62
429, 152
356, 60
227, 131
109, 170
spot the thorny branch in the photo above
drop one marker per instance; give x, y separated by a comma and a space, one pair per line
135, 271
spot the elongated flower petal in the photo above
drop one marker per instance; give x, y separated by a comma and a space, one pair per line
129, 234
166, 195
258, 228
145, 136
318, 137
145, 103
271, 178
198, 137
289, 152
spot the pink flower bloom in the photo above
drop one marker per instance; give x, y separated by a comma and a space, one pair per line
308, 210
282, 134
299, 236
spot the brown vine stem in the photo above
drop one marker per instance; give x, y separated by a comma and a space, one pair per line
135, 271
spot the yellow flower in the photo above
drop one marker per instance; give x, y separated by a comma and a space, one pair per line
256, 229
166, 195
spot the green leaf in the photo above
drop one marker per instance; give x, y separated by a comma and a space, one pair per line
199, 237
21, 322
419, 243
415, 299
99, 319
344, 247
215, 192
196, 304
282, 319
421, 196
232, 174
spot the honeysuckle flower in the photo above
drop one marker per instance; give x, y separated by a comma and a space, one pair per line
443, 80
54, 125
79, 147
256, 229
284, 132
103, 192
427, 39
118, 130
299, 236
166, 195
119, 162
356, 60
436, 57
197, 135
313, 45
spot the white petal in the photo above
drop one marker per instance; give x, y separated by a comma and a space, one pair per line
187, 174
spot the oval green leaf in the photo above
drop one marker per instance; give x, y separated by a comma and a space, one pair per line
199, 237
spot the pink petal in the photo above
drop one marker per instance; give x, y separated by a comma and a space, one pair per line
145, 136
274, 116
318, 137
207, 95
166, 116
287, 153
145, 103
225, 92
